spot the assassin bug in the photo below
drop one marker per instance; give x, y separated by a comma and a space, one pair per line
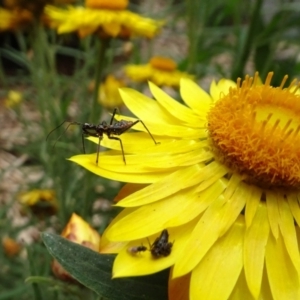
136, 249
161, 245
110, 130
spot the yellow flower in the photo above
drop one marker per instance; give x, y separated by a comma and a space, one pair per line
108, 18
109, 95
13, 99
36, 195
224, 181
80, 232
159, 70
14, 19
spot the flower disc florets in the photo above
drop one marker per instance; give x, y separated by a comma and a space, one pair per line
254, 129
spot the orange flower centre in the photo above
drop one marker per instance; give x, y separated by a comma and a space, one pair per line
255, 130
107, 4
162, 63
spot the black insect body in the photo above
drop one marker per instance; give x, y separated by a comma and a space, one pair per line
136, 249
161, 246
110, 130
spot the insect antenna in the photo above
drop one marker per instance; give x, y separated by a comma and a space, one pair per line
70, 123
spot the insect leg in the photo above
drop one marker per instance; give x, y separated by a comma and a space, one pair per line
82, 138
113, 116
155, 142
115, 138
98, 149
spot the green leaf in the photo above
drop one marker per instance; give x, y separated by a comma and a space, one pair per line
94, 270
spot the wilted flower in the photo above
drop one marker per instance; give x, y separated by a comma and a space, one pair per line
159, 70
80, 232
10, 246
224, 181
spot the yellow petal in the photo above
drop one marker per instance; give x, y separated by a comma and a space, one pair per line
234, 206
197, 205
179, 111
169, 129
283, 278
287, 227
139, 142
195, 97
252, 203
176, 181
273, 212
141, 223
143, 263
146, 108
254, 249
88, 161
204, 235
294, 206
168, 185
218, 272
221, 88
106, 246
241, 291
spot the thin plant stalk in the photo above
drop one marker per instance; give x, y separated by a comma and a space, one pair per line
243, 55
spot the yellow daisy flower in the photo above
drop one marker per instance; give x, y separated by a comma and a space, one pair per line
108, 18
159, 70
224, 182
14, 19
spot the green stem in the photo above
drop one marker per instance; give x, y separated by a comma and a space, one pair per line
195, 26
101, 47
242, 57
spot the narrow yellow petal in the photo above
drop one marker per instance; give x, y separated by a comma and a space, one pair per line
216, 275
252, 203
233, 183
179, 111
283, 278
176, 181
179, 288
294, 206
204, 235
233, 207
169, 129
141, 223
287, 227
127, 264
88, 161
142, 144
145, 108
195, 97
133, 142
198, 204
241, 290
106, 246
256, 238
221, 88
273, 212
168, 185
